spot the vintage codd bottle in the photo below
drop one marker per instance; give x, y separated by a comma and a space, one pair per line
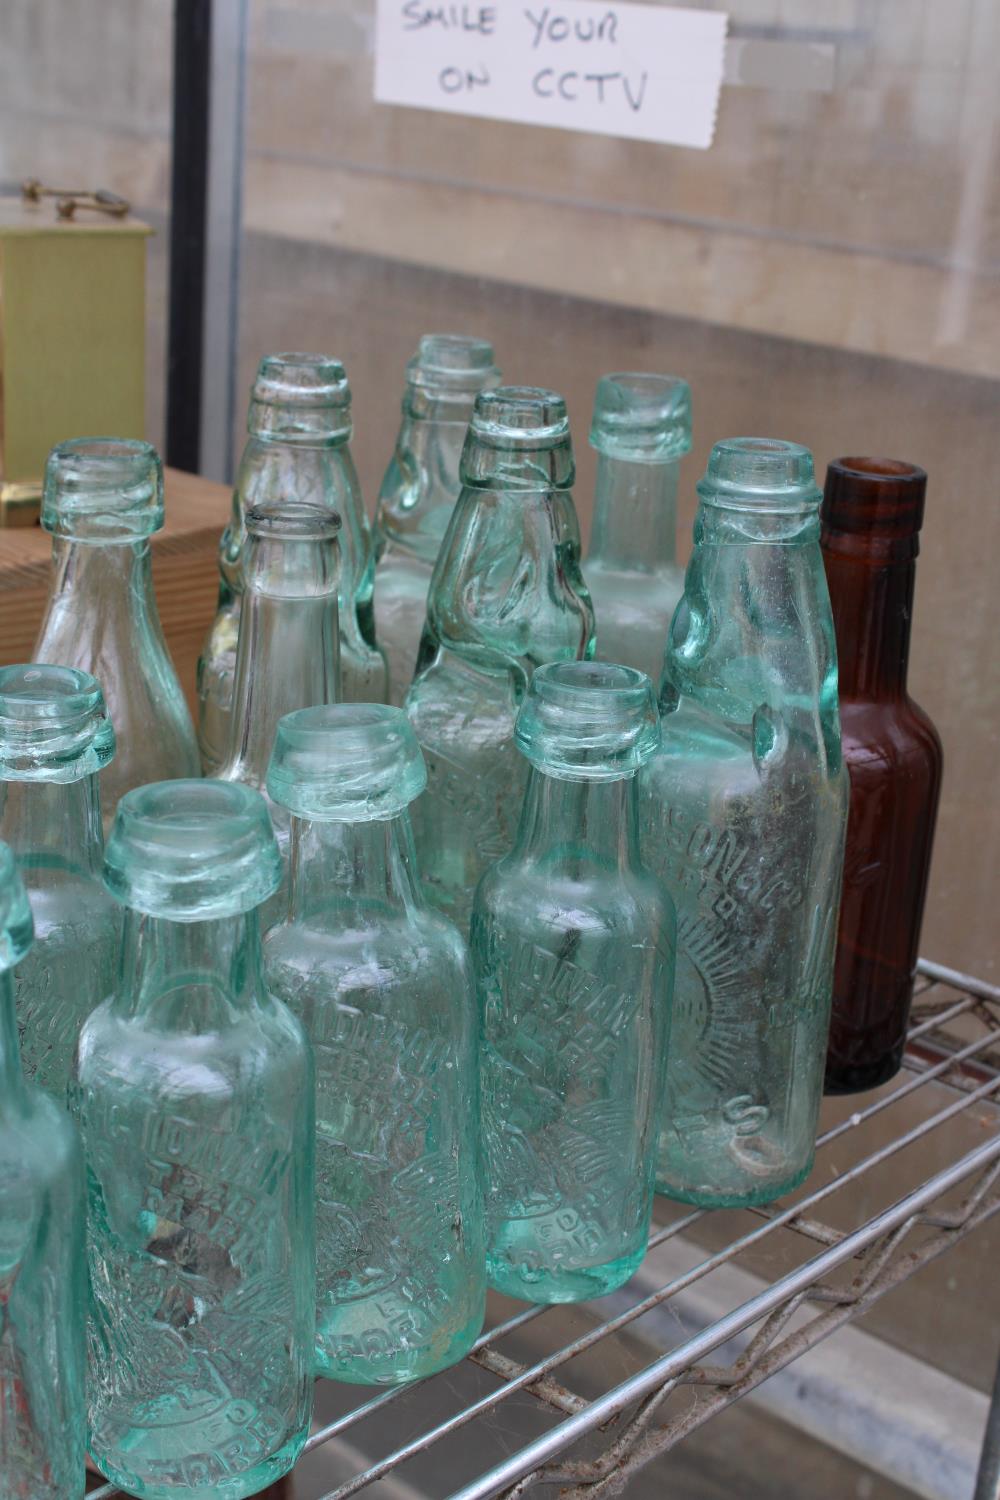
573, 952
420, 488
43, 1288
641, 430
194, 1089
506, 596
870, 522
103, 500
744, 810
298, 450
55, 739
382, 986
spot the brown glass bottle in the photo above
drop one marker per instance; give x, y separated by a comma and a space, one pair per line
871, 516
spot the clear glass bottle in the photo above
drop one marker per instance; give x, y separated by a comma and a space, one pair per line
506, 596
382, 987
573, 953
641, 430
420, 488
55, 738
872, 512
298, 449
744, 811
194, 1090
103, 500
43, 1287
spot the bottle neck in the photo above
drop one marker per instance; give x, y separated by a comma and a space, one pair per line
12, 1085
189, 977
635, 514
97, 573
573, 825
422, 481
53, 825
354, 873
872, 599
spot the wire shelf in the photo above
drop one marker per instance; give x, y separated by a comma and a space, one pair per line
832, 1269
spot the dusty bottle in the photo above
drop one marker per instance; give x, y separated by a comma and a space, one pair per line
420, 488
506, 596
43, 1287
103, 500
382, 986
641, 430
298, 450
194, 1091
55, 738
871, 517
573, 952
744, 811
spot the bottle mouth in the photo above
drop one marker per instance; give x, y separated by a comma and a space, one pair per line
346, 762
762, 475
882, 497
291, 521
192, 850
519, 416
588, 721
54, 724
642, 418
103, 489
453, 362
302, 398
17, 928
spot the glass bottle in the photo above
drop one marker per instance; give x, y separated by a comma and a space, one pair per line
195, 1091
871, 517
103, 500
573, 953
43, 1289
288, 655
506, 595
420, 488
641, 430
298, 449
55, 738
744, 811
382, 987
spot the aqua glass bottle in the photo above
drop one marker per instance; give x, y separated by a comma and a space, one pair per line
641, 430
744, 814
103, 500
298, 449
506, 596
420, 488
55, 738
573, 953
382, 986
194, 1091
43, 1288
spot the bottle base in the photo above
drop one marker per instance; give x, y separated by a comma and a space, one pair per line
414, 1365
558, 1285
843, 1078
205, 1475
751, 1198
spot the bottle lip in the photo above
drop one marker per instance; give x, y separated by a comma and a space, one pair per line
454, 363
519, 417
294, 378
103, 489
880, 497
346, 763
54, 724
763, 475
192, 850
642, 417
291, 521
588, 721
17, 927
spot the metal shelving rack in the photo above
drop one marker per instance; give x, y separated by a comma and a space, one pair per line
954, 1042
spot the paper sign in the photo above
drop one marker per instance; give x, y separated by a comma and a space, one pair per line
645, 71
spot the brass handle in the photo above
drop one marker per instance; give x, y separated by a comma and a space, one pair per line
68, 200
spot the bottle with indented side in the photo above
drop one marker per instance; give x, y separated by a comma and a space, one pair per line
382, 986
506, 596
103, 500
871, 517
641, 430
744, 811
195, 1095
43, 1286
573, 953
55, 738
298, 449
420, 488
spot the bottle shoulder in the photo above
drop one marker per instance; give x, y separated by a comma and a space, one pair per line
452, 701
575, 894
895, 737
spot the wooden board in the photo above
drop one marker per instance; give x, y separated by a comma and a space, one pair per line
185, 573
